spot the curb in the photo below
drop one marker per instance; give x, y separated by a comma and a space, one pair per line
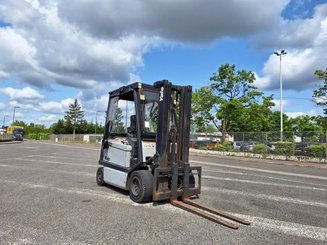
277, 159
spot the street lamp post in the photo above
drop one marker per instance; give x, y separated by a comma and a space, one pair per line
96, 122
13, 115
283, 52
4, 120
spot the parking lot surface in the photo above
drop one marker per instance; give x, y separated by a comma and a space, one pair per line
48, 195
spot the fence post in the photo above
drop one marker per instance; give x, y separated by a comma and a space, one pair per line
243, 141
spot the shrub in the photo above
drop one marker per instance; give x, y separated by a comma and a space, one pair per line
43, 136
32, 136
260, 149
285, 148
226, 146
318, 151
38, 136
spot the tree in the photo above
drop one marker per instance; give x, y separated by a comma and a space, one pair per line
58, 127
202, 103
226, 99
74, 117
306, 127
118, 124
320, 95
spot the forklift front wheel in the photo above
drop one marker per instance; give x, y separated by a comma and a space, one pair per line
141, 186
99, 177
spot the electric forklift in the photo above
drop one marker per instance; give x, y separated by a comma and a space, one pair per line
145, 148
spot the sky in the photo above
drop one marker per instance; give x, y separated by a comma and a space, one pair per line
55, 51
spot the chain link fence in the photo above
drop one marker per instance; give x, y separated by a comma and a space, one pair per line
81, 138
302, 142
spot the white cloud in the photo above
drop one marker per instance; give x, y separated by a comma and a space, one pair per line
305, 54
19, 116
47, 118
183, 20
2, 106
72, 44
26, 93
312, 112
42, 49
49, 107
276, 107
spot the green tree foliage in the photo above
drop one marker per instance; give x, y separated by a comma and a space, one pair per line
32, 128
320, 95
231, 103
74, 118
118, 124
322, 122
203, 103
58, 127
305, 126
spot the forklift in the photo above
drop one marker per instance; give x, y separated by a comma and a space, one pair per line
145, 148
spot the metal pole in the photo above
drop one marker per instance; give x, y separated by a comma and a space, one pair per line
283, 52
13, 116
281, 97
96, 122
4, 121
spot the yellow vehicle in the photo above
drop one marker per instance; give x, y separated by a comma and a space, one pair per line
16, 132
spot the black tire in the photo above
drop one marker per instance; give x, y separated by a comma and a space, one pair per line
141, 186
99, 177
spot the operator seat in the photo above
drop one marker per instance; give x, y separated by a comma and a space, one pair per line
132, 128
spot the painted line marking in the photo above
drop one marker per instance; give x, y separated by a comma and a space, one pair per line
266, 197
231, 192
262, 170
204, 176
264, 183
34, 169
260, 176
61, 157
289, 228
71, 146
62, 163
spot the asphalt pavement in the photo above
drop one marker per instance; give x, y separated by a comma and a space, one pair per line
48, 195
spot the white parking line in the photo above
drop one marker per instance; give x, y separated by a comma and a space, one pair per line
259, 176
62, 163
262, 170
60, 157
35, 169
204, 176
265, 183
289, 228
71, 146
266, 197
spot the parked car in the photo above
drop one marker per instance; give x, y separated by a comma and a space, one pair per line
301, 148
196, 144
248, 146
237, 144
270, 147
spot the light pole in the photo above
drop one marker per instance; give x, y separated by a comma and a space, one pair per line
13, 115
4, 120
96, 121
283, 52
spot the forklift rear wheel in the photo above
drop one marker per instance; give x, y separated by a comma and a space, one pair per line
99, 177
141, 186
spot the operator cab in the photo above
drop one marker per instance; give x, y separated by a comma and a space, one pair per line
131, 128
